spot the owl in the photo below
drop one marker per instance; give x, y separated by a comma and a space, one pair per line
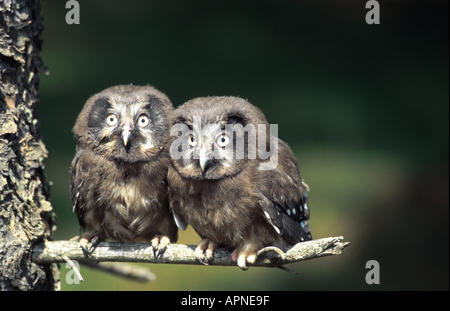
119, 172
234, 182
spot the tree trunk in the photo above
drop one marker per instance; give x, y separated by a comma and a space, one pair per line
24, 195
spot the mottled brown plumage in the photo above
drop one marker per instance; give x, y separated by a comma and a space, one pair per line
241, 202
119, 172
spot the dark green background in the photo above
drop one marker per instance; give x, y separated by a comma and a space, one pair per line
364, 107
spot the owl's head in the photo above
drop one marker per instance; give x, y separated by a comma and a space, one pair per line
216, 137
126, 123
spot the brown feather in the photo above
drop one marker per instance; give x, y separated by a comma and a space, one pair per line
234, 202
120, 192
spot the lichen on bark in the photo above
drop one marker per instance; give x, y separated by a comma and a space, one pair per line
24, 194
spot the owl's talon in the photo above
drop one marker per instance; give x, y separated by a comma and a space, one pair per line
154, 252
273, 249
203, 260
84, 248
242, 259
94, 242
84, 244
204, 252
159, 245
242, 264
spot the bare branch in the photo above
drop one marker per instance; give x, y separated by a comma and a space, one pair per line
74, 267
134, 273
49, 252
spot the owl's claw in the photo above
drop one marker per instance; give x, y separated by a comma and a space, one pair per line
242, 259
203, 260
84, 244
205, 251
274, 249
159, 245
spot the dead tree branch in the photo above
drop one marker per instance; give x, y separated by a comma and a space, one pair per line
51, 252
123, 270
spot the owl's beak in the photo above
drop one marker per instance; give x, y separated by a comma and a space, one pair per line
203, 157
203, 160
126, 133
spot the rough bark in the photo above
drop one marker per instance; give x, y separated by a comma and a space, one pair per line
23, 192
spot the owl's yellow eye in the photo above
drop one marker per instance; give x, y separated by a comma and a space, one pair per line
223, 140
112, 119
192, 140
143, 120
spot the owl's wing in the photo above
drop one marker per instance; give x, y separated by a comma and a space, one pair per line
179, 221
285, 201
77, 184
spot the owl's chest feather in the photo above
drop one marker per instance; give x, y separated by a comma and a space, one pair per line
126, 193
124, 201
218, 210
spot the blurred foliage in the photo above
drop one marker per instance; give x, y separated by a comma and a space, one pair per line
364, 107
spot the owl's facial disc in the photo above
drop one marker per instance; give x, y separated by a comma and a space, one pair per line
210, 153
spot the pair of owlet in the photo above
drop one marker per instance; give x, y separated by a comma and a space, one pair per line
141, 170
